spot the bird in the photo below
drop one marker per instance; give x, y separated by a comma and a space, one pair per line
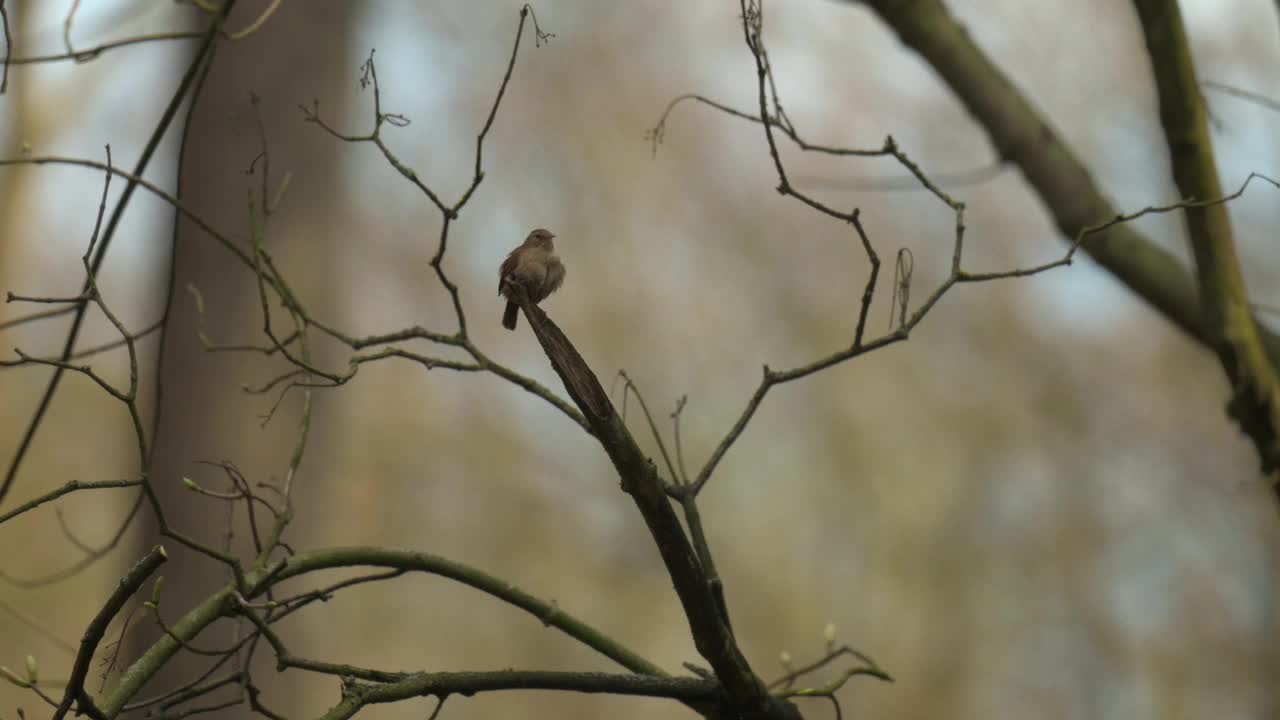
535, 267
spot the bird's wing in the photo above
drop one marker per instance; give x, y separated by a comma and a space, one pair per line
508, 267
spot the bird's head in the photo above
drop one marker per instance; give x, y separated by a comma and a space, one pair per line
540, 238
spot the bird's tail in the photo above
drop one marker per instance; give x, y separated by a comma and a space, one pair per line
510, 316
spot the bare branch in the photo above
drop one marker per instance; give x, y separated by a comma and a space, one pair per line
129, 584
258, 22
752, 19
356, 696
70, 487
83, 56
259, 579
1256, 98
144, 159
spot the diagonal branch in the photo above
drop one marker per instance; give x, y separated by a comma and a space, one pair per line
639, 477
93, 634
1023, 136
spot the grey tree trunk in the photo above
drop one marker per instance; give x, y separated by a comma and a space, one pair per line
300, 54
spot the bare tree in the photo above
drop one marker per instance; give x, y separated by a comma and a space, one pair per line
264, 578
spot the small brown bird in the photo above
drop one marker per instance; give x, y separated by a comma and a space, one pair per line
536, 267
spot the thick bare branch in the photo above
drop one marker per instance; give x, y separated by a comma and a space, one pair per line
1024, 137
1228, 325
639, 476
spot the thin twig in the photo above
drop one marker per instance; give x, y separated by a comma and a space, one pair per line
95, 264
82, 56
66, 26
70, 487
35, 317
629, 386
258, 22
1258, 98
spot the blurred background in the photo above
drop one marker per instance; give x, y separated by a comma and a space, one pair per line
1036, 506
